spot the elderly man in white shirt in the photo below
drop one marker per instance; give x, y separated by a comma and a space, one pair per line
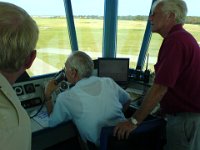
92, 103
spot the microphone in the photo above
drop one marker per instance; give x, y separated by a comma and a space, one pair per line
60, 76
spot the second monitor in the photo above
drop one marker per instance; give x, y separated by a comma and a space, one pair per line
115, 68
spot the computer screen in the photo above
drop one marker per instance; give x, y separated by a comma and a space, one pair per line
115, 68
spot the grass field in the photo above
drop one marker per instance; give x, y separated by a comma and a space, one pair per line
54, 35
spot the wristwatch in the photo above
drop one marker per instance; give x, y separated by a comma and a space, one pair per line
134, 121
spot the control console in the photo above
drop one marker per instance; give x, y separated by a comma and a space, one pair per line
31, 93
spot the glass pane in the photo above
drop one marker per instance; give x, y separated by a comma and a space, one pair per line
53, 46
155, 43
132, 19
193, 20
88, 18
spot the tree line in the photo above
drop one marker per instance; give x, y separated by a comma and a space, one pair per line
189, 19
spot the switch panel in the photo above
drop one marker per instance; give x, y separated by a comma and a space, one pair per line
31, 93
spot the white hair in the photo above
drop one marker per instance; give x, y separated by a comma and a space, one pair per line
82, 63
19, 35
177, 7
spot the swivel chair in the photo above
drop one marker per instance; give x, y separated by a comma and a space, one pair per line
150, 135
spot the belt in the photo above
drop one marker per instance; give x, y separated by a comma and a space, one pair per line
182, 114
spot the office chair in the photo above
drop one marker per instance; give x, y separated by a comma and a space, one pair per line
150, 135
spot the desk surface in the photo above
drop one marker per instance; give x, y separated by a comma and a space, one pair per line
40, 120
35, 126
48, 137
44, 136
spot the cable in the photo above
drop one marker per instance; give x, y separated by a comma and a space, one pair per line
42, 105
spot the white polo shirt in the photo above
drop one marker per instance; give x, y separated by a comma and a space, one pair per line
92, 103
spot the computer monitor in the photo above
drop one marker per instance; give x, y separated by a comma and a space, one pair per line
115, 68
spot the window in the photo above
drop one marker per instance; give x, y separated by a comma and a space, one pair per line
132, 20
88, 18
54, 46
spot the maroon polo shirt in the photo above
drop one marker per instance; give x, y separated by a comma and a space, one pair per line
178, 68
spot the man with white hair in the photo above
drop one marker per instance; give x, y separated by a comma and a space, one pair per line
92, 103
177, 80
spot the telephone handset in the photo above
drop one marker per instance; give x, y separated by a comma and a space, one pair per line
60, 76
61, 81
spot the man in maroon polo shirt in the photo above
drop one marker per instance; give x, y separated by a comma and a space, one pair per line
177, 80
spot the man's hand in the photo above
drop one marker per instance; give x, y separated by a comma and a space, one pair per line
123, 129
51, 86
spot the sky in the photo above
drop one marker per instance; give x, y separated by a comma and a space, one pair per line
94, 7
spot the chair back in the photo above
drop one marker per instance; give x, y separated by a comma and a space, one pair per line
149, 135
